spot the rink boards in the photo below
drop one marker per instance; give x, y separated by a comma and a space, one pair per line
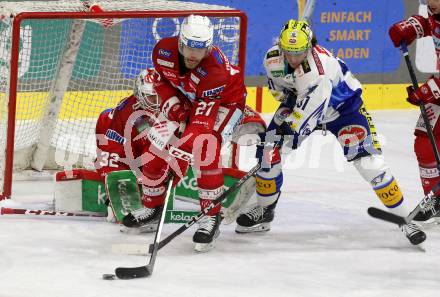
376, 97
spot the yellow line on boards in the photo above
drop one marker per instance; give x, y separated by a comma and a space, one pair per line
89, 104
75, 105
375, 96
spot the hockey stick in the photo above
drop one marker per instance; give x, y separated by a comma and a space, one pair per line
308, 10
412, 74
205, 211
146, 270
429, 200
38, 212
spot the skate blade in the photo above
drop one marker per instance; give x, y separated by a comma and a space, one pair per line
204, 247
148, 228
421, 247
263, 227
432, 222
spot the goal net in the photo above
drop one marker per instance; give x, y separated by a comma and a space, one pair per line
62, 63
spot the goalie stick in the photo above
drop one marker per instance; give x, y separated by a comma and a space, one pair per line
39, 212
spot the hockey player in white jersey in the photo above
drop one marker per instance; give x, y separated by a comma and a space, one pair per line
317, 92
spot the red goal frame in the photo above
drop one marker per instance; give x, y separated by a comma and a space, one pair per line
14, 62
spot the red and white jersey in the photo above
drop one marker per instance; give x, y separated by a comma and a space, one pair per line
116, 130
433, 110
434, 24
213, 78
214, 92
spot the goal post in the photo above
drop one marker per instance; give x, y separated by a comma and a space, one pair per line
61, 64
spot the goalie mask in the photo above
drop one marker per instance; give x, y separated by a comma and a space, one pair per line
295, 37
144, 91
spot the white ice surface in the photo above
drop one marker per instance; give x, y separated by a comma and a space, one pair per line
322, 241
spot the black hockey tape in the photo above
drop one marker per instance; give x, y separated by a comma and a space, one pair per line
108, 276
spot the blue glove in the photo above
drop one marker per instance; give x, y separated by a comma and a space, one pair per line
289, 98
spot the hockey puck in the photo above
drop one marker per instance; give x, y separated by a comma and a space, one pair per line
108, 276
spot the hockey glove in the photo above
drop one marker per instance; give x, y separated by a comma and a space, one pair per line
429, 92
408, 30
268, 153
290, 98
175, 110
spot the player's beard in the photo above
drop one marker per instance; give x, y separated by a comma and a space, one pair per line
435, 10
191, 63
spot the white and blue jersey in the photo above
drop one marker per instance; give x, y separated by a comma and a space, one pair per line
327, 94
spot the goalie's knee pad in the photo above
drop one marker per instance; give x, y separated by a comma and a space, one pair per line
374, 170
268, 185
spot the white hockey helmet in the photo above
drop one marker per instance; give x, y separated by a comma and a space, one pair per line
196, 31
144, 90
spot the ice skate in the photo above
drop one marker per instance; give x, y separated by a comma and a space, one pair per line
257, 219
208, 231
414, 233
144, 219
430, 212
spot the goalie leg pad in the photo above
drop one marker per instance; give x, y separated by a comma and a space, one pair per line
251, 124
375, 171
123, 192
227, 121
243, 196
268, 185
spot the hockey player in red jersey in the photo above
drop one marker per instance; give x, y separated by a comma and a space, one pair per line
111, 125
118, 146
199, 86
428, 94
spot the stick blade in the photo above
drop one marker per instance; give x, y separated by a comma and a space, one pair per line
386, 216
132, 272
